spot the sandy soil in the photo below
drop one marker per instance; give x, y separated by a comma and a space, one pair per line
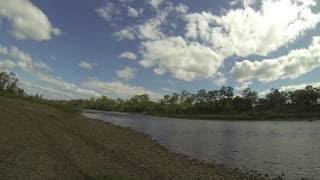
40, 142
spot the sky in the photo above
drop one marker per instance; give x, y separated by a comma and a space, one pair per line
120, 48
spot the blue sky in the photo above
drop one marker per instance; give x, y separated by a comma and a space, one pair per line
82, 49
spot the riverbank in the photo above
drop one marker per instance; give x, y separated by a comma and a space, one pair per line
244, 117
41, 142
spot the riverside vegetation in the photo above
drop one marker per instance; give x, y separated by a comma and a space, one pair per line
218, 104
213, 104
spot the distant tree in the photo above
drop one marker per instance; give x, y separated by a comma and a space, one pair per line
226, 92
187, 101
8, 84
276, 99
138, 103
250, 97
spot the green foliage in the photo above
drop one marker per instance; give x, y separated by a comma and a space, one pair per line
8, 85
214, 102
217, 102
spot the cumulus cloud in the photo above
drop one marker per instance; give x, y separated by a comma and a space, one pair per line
244, 3
294, 64
42, 82
254, 28
86, 65
27, 20
181, 8
126, 33
155, 3
184, 60
55, 88
132, 12
126, 73
220, 79
42, 65
151, 29
118, 89
248, 31
6, 64
291, 87
107, 11
23, 59
128, 55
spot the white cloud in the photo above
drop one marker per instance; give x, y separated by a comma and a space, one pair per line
27, 20
125, 1
247, 31
86, 65
151, 29
132, 12
294, 64
42, 65
167, 89
181, 8
184, 60
128, 55
42, 82
53, 88
126, 33
6, 64
244, 3
23, 59
234, 2
292, 87
118, 89
209, 39
155, 3
127, 73
107, 11
220, 79
298, 86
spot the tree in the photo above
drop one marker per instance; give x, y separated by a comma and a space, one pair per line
138, 103
187, 101
276, 99
226, 92
250, 97
8, 84
202, 101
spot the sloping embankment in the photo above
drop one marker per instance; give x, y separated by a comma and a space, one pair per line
40, 142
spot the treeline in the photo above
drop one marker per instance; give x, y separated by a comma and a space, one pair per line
222, 101
9, 88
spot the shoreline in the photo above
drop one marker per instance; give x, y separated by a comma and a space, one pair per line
258, 117
52, 144
221, 117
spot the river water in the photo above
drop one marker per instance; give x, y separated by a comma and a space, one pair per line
272, 147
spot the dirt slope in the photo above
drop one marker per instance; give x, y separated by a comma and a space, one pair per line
40, 142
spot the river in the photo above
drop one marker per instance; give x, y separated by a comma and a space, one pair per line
272, 147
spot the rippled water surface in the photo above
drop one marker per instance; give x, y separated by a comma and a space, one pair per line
272, 147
